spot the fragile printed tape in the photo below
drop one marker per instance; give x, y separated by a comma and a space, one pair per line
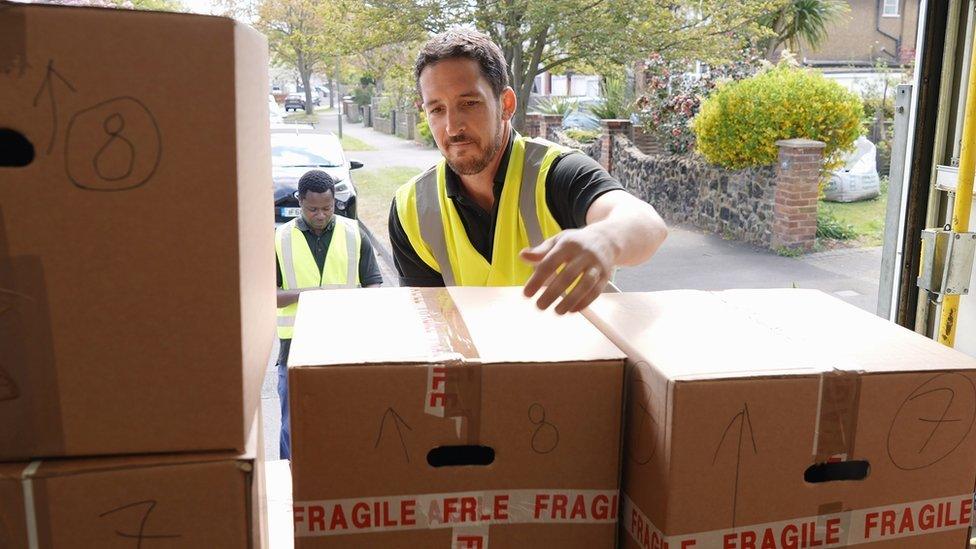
454, 377
469, 513
444, 326
837, 411
470, 537
838, 529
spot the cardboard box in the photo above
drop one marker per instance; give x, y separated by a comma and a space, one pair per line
201, 500
136, 281
387, 383
787, 418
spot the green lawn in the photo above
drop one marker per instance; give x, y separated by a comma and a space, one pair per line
867, 217
301, 117
350, 143
375, 191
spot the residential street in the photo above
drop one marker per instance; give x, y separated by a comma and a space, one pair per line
689, 259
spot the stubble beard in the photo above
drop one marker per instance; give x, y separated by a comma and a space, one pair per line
472, 166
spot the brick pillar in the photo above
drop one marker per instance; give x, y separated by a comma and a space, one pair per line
797, 191
608, 130
550, 124
533, 124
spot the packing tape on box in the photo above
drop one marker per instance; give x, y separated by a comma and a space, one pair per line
29, 388
446, 330
837, 411
468, 514
29, 381
454, 375
30, 512
840, 529
13, 40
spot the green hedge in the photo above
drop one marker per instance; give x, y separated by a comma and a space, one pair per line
738, 125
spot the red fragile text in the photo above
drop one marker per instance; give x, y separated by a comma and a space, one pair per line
575, 507
398, 513
471, 542
787, 536
437, 397
917, 519
650, 537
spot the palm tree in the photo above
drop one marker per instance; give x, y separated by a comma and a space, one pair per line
801, 21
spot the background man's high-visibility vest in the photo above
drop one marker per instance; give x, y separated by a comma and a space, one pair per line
299, 270
436, 232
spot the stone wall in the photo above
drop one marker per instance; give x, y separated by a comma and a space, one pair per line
381, 124
406, 123
353, 115
736, 204
771, 206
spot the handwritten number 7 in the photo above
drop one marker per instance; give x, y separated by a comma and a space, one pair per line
942, 419
141, 535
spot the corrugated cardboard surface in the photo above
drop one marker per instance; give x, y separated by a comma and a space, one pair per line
724, 419
169, 500
136, 294
360, 430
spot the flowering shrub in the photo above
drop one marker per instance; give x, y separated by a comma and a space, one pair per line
672, 98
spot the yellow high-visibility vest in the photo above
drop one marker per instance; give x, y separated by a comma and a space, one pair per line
435, 231
300, 271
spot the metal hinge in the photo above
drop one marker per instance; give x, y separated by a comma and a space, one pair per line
947, 261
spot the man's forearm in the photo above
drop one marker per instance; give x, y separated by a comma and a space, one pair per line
634, 229
287, 297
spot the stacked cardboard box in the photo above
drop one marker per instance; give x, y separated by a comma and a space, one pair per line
788, 419
459, 417
136, 291
199, 500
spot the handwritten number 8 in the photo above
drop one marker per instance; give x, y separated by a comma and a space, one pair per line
545, 438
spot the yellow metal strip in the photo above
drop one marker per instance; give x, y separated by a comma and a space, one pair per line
964, 199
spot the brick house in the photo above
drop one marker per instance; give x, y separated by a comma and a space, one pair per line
872, 31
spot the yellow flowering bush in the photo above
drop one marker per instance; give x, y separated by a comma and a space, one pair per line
738, 124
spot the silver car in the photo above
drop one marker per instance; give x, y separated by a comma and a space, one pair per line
293, 154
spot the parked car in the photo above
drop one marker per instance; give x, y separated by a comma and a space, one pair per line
295, 102
293, 154
316, 99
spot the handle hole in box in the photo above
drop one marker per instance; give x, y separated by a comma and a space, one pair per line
16, 151
461, 455
839, 470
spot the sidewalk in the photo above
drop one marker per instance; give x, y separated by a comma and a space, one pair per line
691, 259
390, 150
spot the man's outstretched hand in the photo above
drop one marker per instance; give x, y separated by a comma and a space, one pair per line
585, 256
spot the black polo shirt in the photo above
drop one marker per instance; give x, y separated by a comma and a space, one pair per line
369, 271
574, 181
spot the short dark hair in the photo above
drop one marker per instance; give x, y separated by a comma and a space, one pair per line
468, 44
315, 181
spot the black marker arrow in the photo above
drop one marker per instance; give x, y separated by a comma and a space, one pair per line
48, 84
397, 422
744, 422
